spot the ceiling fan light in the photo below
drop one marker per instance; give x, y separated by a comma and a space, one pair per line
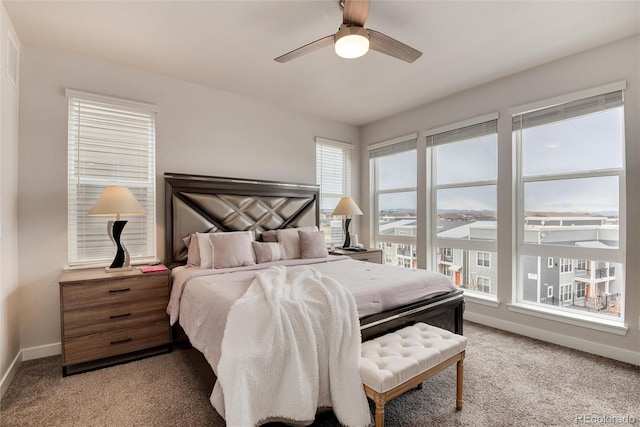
351, 42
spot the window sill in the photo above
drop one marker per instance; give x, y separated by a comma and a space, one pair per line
133, 263
576, 319
476, 298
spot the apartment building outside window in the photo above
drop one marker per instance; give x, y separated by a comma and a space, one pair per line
463, 188
393, 166
570, 190
110, 142
333, 175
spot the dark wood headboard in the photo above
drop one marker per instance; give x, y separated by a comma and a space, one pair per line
204, 204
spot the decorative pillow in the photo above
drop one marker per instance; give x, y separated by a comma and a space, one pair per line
269, 236
269, 251
206, 250
232, 249
291, 241
312, 244
193, 251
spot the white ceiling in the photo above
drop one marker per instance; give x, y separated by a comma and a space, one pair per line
230, 45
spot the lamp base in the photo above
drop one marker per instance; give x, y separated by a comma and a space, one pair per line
347, 238
121, 261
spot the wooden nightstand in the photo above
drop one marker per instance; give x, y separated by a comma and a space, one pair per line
370, 255
109, 318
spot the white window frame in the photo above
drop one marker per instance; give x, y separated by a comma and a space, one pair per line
566, 265
434, 242
549, 291
347, 170
483, 259
550, 262
404, 143
565, 289
100, 109
519, 305
484, 283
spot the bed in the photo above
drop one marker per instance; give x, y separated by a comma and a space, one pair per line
200, 297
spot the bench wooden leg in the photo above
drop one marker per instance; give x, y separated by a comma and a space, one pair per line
379, 414
460, 375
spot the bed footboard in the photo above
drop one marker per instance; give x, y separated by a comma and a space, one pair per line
444, 311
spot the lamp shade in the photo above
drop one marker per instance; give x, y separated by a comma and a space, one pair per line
117, 201
346, 206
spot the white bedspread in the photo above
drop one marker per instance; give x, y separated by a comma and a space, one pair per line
202, 298
300, 331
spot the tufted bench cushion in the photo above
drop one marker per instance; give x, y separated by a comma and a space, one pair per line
394, 363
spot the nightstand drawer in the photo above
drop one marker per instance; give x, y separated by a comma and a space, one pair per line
92, 294
112, 343
99, 319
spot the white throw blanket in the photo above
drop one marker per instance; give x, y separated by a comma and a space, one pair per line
291, 345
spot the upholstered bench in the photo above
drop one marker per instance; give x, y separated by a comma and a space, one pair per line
401, 360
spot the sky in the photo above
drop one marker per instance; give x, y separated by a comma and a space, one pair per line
587, 143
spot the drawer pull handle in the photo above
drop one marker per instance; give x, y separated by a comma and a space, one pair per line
115, 316
121, 341
115, 291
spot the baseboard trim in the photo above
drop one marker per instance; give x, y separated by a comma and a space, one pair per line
41, 351
23, 355
10, 374
620, 354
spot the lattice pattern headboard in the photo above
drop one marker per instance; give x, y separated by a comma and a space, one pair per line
195, 203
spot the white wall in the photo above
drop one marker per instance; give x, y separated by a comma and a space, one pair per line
9, 291
198, 130
618, 61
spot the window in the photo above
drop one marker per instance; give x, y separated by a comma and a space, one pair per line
565, 265
483, 259
463, 193
110, 142
393, 171
581, 289
333, 175
549, 291
570, 191
550, 262
484, 284
566, 292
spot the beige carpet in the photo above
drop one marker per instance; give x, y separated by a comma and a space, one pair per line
509, 381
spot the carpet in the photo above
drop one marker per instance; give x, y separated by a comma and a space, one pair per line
509, 381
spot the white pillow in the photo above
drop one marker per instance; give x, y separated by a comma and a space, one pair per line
291, 241
269, 251
206, 250
232, 249
206, 246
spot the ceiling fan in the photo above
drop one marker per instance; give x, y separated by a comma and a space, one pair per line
353, 40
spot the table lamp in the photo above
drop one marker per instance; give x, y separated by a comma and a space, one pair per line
117, 201
347, 207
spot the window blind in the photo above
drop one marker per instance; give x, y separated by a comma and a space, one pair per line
333, 175
110, 142
399, 147
467, 132
333, 170
568, 110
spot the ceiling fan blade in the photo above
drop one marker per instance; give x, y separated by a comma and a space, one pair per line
308, 48
355, 12
392, 47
